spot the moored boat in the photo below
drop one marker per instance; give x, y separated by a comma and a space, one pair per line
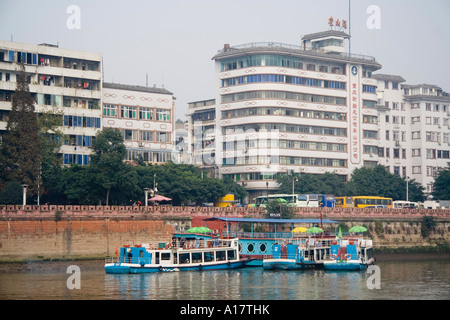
350, 254
206, 254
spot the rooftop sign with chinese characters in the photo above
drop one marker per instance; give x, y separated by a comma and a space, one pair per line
338, 24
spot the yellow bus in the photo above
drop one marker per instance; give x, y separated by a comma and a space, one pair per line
344, 202
363, 202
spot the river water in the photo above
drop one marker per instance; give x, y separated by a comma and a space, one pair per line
421, 278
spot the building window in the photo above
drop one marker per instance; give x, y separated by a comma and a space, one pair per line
146, 135
162, 136
369, 104
110, 110
370, 134
370, 119
370, 89
80, 159
396, 153
128, 112
416, 152
431, 153
78, 121
129, 134
145, 113
162, 115
397, 170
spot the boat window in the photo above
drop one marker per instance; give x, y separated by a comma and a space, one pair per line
231, 255
184, 258
240, 247
208, 256
221, 255
165, 256
250, 247
141, 253
196, 257
263, 247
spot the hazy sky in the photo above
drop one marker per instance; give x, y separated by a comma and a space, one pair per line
173, 41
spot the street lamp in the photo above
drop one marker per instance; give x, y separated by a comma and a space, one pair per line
407, 188
294, 179
24, 186
146, 197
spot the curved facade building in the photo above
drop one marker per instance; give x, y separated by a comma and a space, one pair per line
283, 108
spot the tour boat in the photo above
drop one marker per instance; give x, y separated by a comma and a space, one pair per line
291, 256
180, 255
350, 254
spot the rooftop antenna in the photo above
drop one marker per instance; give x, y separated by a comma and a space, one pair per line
349, 28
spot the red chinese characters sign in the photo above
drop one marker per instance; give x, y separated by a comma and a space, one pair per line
355, 128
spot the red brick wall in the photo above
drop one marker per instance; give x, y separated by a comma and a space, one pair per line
71, 239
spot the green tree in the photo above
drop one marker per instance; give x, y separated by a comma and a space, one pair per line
378, 181
287, 212
12, 193
231, 187
441, 190
327, 183
107, 162
20, 150
78, 184
51, 138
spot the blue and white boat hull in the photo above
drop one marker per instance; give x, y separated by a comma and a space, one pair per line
345, 265
281, 264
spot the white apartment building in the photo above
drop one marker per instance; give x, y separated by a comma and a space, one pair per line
201, 129
145, 116
393, 126
284, 108
67, 81
429, 131
414, 129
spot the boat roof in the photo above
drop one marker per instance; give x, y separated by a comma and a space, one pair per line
257, 220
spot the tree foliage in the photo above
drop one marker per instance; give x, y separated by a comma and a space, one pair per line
20, 150
441, 190
12, 193
107, 164
377, 181
304, 183
51, 139
286, 211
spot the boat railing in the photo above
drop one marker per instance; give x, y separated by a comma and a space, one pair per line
257, 235
134, 260
202, 243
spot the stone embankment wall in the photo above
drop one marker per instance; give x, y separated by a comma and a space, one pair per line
83, 232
